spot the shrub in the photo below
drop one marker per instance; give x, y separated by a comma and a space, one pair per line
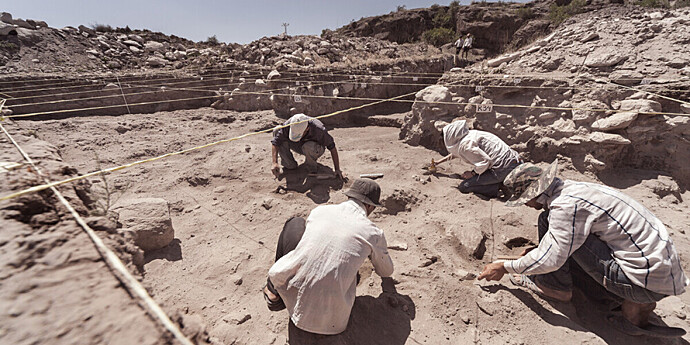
443, 19
212, 40
102, 27
558, 14
681, 3
401, 8
438, 36
525, 13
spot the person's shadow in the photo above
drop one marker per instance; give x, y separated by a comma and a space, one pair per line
381, 320
586, 314
318, 190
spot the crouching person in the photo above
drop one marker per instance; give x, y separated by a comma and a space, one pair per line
492, 158
611, 237
315, 276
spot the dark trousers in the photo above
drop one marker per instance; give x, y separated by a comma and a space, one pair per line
489, 182
595, 258
289, 238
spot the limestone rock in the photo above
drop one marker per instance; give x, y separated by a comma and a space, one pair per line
685, 107
615, 121
155, 61
148, 221
273, 75
608, 138
470, 236
604, 59
434, 93
641, 105
563, 126
153, 46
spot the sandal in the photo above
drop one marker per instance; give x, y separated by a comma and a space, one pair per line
273, 305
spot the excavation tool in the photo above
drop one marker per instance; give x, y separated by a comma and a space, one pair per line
431, 168
371, 176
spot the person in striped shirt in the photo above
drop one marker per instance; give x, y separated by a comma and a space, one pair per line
610, 236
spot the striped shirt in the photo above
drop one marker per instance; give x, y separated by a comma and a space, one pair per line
638, 240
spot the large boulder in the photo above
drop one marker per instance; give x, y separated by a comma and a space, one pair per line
155, 61
615, 121
148, 221
641, 105
423, 126
153, 46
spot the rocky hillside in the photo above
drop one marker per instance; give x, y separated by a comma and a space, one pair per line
496, 26
33, 46
560, 95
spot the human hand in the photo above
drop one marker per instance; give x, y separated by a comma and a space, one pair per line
493, 271
276, 170
339, 174
467, 174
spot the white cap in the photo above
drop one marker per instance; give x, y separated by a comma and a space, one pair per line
297, 129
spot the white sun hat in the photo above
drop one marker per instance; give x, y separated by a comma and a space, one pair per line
297, 129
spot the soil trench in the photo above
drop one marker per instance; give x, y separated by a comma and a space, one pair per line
227, 214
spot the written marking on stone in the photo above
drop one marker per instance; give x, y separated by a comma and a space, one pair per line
485, 108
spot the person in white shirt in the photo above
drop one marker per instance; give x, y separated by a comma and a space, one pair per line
596, 229
458, 48
317, 279
466, 46
492, 158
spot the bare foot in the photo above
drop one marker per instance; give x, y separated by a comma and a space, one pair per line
548, 293
272, 297
637, 313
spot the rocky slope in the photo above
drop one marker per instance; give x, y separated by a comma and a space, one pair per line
42, 49
573, 106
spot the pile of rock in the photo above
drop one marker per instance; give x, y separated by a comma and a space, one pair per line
629, 45
288, 52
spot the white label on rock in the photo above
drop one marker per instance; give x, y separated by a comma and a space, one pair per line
517, 81
479, 88
364, 85
645, 81
485, 108
298, 99
415, 78
297, 83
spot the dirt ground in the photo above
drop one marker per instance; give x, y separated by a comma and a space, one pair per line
227, 212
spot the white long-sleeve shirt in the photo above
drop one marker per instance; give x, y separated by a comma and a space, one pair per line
638, 240
317, 280
484, 150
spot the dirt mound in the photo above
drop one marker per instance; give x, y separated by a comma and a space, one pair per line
56, 288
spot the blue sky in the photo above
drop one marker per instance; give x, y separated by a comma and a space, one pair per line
230, 21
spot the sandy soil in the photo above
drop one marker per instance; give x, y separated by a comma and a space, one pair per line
227, 213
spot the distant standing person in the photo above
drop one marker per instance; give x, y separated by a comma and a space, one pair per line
307, 136
466, 46
315, 273
458, 48
492, 158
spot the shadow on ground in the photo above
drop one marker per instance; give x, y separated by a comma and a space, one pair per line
585, 314
374, 320
172, 252
318, 190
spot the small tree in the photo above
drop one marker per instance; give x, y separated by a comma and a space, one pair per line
401, 8
438, 36
212, 40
